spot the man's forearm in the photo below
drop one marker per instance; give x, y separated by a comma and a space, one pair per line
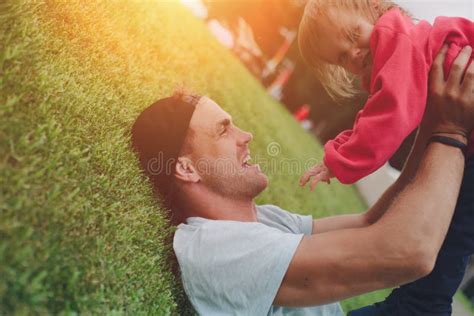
401, 247
383, 203
422, 211
408, 172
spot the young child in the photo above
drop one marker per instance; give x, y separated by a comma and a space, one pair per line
376, 41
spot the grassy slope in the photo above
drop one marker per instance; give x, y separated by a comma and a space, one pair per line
79, 228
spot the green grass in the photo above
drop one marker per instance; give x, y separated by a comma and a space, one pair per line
80, 230
461, 298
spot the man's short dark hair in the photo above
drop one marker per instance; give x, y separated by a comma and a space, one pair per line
158, 136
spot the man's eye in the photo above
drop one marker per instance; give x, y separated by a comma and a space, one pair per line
224, 130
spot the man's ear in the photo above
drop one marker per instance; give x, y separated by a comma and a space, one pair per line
185, 171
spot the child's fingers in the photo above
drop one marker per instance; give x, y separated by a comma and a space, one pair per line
320, 177
308, 174
314, 169
304, 179
315, 182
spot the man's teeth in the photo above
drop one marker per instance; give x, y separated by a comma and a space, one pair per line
246, 160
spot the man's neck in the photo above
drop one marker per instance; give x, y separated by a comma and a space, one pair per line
217, 207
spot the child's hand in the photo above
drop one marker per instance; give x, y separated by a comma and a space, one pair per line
320, 173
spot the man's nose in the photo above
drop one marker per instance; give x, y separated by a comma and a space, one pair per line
246, 137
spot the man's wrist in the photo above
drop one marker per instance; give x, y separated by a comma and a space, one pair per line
442, 129
454, 135
451, 140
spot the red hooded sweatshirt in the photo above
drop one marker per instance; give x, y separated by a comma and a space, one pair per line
402, 54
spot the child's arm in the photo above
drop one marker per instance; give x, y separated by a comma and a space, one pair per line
394, 110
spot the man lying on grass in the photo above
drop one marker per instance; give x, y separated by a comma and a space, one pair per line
239, 258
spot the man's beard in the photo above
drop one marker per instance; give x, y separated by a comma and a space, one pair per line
235, 182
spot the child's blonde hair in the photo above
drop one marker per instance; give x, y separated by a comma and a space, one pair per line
335, 79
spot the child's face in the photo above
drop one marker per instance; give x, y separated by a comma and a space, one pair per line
346, 41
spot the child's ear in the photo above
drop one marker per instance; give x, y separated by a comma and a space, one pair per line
185, 171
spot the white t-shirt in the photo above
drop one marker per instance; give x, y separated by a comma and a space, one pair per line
236, 268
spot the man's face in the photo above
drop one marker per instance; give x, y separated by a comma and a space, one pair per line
220, 153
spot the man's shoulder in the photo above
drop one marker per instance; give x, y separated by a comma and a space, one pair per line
272, 215
272, 209
265, 208
205, 234
286, 221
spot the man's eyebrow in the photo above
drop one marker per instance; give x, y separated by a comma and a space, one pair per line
223, 123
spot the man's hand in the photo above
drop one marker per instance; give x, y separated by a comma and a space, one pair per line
320, 172
452, 101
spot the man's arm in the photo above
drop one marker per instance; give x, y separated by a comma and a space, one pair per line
407, 174
402, 245
322, 225
337, 222
400, 248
